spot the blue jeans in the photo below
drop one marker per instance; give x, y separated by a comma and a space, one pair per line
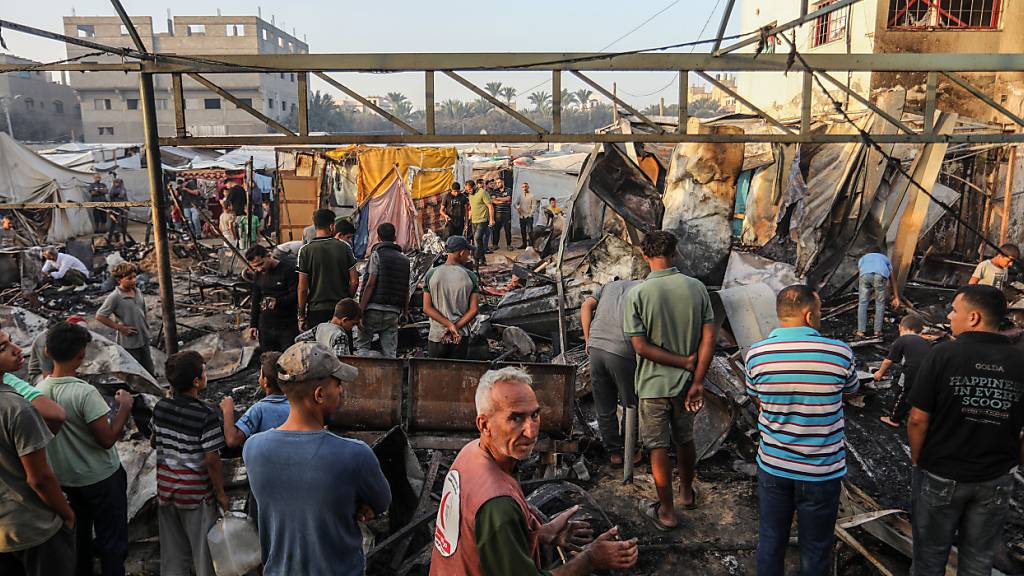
383, 323
195, 222
816, 505
869, 282
971, 514
481, 235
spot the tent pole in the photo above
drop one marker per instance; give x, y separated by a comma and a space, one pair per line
158, 201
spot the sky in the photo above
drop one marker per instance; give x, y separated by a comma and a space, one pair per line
344, 26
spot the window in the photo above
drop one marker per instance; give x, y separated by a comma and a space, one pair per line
195, 29
291, 47
246, 101
124, 30
280, 42
211, 103
284, 105
957, 14
234, 29
293, 78
293, 107
829, 27
281, 74
86, 31
101, 103
265, 36
270, 103
132, 103
58, 106
30, 103
25, 74
161, 104
108, 130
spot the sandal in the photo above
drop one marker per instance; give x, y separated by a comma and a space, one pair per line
617, 459
650, 511
695, 503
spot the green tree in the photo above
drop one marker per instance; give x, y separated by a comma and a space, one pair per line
583, 97
493, 88
400, 105
541, 101
509, 94
705, 108
568, 99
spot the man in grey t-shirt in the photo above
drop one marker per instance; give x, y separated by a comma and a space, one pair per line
451, 294
995, 270
612, 360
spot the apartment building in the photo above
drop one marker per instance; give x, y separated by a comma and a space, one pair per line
892, 26
37, 107
110, 100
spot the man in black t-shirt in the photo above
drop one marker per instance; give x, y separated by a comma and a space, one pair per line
910, 349
965, 423
502, 199
454, 207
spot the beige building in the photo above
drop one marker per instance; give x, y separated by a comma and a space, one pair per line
714, 93
892, 26
110, 100
39, 109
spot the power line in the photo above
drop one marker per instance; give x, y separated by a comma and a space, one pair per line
641, 25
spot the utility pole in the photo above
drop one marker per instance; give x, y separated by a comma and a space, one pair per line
7, 115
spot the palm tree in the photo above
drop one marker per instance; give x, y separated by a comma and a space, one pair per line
400, 105
705, 108
454, 109
583, 97
480, 107
508, 93
493, 88
541, 101
568, 99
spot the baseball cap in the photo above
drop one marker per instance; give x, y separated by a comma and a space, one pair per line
312, 361
456, 243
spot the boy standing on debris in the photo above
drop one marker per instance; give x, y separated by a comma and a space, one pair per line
273, 302
189, 473
964, 430
37, 526
83, 455
670, 323
270, 412
910, 349
327, 273
336, 335
875, 274
451, 297
995, 270
612, 360
127, 304
481, 211
798, 378
308, 520
385, 295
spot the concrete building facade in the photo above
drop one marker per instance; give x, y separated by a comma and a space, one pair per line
892, 26
39, 108
110, 100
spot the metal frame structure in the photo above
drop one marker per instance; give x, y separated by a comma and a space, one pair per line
453, 65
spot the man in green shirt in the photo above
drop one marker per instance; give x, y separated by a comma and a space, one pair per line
327, 273
83, 455
481, 214
671, 324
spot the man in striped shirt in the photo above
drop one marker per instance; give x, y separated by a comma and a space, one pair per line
188, 436
798, 378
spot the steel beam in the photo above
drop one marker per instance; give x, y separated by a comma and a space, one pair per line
179, 106
684, 101
429, 106
387, 115
507, 109
556, 101
252, 111
984, 97
929, 102
806, 99
853, 93
136, 39
803, 19
619, 101
722, 26
303, 97
585, 138
768, 117
159, 211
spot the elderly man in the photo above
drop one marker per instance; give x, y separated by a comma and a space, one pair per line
64, 268
308, 521
484, 524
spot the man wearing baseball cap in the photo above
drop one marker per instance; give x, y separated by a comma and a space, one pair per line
311, 485
451, 294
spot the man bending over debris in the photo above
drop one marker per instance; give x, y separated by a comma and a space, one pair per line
64, 269
798, 378
308, 520
910, 349
670, 322
451, 295
327, 273
83, 455
273, 301
875, 275
385, 295
127, 304
268, 413
964, 431
995, 270
37, 525
484, 523
189, 472
336, 335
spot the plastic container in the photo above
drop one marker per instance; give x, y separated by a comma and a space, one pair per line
234, 545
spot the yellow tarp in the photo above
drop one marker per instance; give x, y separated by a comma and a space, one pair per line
433, 168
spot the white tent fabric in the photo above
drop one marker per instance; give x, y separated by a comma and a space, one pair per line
26, 177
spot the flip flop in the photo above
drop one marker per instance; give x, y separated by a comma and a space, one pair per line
650, 511
695, 503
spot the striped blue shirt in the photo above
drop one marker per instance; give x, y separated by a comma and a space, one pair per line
799, 378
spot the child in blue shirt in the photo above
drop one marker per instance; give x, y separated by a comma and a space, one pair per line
270, 412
